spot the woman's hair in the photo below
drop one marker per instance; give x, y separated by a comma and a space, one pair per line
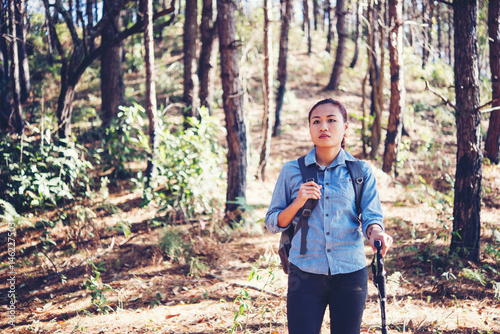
335, 103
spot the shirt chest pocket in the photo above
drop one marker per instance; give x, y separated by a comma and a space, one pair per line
346, 188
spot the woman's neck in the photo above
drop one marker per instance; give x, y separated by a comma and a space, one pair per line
326, 155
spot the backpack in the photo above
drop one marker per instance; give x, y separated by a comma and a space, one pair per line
309, 173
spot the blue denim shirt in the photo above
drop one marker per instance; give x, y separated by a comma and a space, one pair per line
335, 237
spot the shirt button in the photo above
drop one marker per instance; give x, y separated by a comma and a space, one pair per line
328, 250
327, 183
327, 233
327, 197
327, 214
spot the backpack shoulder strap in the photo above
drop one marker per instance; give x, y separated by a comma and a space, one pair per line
308, 173
358, 181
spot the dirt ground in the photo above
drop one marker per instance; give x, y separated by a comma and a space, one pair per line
151, 293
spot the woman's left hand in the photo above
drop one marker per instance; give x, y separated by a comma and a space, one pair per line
385, 239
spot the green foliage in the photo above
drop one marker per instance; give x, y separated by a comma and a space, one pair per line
125, 140
36, 173
189, 162
248, 305
189, 165
9, 215
173, 245
97, 288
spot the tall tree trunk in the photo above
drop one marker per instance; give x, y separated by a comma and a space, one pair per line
189, 48
307, 25
450, 26
339, 59
382, 15
315, 14
207, 34
90, 23
426, 32
150, 88
493, 136
268, 80
286, 13
112, 88
439, 29
233, 109
5, 107
357, 37
465, 240
397, 103
328, 13
16, 120
375, 74
22, 31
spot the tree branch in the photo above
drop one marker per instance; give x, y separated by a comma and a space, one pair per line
53, 32
445, 2
491, 102
445, 100
69, 22
136, 28
97, 29
490, 110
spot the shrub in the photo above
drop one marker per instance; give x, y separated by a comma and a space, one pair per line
125, 140
34, 173
190, 167
189, 162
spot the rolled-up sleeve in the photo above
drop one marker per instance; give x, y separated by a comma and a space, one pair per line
280, 200
371, 210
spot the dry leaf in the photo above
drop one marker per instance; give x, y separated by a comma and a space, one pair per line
172, 315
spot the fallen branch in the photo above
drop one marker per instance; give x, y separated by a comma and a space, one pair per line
243, 285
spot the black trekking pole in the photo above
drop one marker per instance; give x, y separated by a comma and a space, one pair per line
379, 280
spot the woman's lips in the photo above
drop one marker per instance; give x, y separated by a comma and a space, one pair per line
324, 136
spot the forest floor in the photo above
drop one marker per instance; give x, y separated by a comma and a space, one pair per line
429, 291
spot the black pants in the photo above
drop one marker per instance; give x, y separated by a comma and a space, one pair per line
309, 294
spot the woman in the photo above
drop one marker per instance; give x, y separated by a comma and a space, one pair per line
333, 270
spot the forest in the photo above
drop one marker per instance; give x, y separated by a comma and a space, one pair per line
140, 143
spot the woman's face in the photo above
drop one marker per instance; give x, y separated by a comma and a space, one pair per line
326, 126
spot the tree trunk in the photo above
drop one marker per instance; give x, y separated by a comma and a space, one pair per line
315, 14
22, 31
79, 59
233, 109
450, 26
426, 32
328, 13
465, 240
375, 74
493, 136
112, 88
189, 48
286, 13
268, 80
16, 120
439, 29
90, 23
5, 108
339, 59
207, 33
65, 107
150, 88
357, 38
307, 24
397, 102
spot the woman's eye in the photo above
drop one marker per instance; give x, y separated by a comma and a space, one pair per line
331, 120
315, 122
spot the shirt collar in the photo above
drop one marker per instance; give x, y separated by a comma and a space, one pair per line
341, 158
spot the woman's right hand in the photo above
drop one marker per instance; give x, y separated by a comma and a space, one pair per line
308, 190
